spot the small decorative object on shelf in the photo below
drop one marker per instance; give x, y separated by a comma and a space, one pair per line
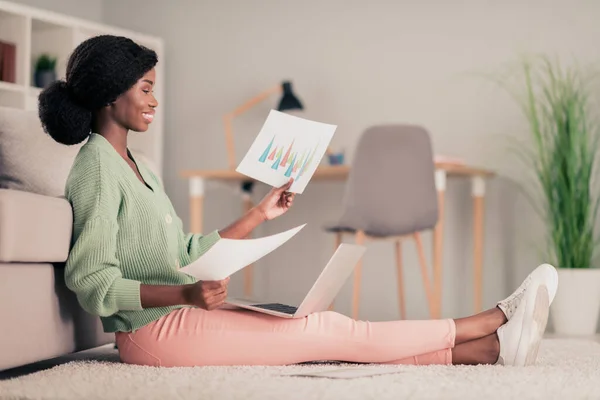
336, 158
45, 71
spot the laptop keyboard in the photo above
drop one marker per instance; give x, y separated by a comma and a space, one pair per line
277, 307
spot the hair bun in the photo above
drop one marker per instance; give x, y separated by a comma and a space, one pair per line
63, 119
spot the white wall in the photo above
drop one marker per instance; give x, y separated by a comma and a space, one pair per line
88, 9
356, 63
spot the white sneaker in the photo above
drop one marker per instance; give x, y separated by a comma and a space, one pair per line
545, 274
520, 337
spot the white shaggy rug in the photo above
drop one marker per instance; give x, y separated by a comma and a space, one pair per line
566, 369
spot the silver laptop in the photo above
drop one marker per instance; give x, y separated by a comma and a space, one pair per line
323, 292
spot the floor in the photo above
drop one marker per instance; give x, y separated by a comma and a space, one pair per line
567, 368
109, 351
88, 355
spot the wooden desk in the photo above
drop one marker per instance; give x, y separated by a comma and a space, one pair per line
478, 177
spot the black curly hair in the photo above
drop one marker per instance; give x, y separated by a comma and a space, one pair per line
99, 70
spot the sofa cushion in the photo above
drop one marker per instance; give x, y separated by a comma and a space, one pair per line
30, 160
34, 228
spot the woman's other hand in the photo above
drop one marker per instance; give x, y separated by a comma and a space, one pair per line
208, 295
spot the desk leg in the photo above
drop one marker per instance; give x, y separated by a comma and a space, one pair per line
247, 206
196, 188
478, 193
438, 245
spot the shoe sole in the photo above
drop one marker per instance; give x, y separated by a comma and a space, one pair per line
534, 326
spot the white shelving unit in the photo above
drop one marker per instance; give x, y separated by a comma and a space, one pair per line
36, 31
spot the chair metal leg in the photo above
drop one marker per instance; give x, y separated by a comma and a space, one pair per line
360, 239
431, 298
338, 242
400, 277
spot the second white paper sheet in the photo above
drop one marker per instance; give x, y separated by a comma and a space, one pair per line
346, 373
228, 256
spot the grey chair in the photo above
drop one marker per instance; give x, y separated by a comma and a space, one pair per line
390, 195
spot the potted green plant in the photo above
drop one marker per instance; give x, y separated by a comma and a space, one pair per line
563, 133
45, 70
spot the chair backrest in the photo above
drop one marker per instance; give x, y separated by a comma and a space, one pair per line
391, 187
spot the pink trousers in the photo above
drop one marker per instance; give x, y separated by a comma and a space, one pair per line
195, 337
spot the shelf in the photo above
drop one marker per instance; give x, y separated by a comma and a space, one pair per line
53, 39
40, 25
31, 100
36, 31
82, 34
10, 98
13, 30
11, 87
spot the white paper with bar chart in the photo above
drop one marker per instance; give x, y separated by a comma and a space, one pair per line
287, 147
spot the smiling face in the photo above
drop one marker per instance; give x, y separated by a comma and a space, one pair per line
134, 109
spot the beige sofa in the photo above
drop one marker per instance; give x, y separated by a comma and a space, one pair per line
39, 317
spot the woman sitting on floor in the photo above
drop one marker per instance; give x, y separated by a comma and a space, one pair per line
128, 245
